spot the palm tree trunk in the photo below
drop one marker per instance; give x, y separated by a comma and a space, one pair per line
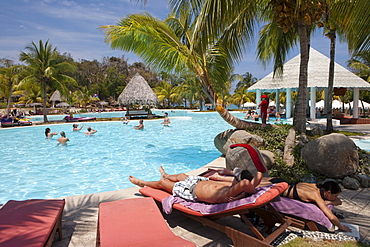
234, 121
301, 108
329, 106
10, 96
44, 104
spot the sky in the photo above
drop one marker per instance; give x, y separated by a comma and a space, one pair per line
73, 27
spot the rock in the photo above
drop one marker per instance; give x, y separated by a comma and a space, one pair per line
333, 155
239, 157
302, 139
364, 180
351, 183
233, 136
317, 131
268, 158
288, 158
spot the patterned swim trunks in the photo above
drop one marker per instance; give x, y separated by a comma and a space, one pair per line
185, 189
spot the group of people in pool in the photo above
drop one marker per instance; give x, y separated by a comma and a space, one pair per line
62, 140
219, 188
166, 122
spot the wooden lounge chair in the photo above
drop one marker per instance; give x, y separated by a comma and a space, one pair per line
134, 222
261, 206
31, 222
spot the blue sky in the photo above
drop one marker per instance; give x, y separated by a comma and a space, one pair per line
72, 26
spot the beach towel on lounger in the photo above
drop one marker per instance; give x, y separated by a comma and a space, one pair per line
303, 210
212, 208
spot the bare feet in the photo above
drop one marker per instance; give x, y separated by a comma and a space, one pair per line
136, 181
163, 173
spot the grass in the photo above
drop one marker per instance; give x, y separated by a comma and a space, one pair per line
307, 242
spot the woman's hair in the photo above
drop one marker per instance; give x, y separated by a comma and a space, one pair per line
63, 134
331, 186
245, 174
47, 131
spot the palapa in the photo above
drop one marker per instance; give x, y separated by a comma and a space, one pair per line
55, 96
137, 91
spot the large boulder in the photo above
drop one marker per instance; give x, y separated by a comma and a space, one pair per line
239, 157
233, 136
333, 155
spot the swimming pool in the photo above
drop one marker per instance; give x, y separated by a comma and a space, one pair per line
363, 144
32, 166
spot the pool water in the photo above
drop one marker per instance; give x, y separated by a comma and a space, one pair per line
363, 144
32, 166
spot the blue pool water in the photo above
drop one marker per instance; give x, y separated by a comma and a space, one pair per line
32, 166
363, 144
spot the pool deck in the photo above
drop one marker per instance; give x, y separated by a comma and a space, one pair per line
81, 213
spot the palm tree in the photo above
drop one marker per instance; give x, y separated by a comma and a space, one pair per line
360, 63
166, 92
45, 69
9, 77
186, 41
246, 80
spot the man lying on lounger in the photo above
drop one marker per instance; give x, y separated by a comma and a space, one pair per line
215, 189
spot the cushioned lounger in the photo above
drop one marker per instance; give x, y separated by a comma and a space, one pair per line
135, 222
261, 206
30, 223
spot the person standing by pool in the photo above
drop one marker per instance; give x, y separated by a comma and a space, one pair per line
141, 125
166, 120
264, 105
90, 131
75, 127
49, 134
63, 139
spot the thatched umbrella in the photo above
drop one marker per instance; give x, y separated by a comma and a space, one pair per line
55, 97
137, 91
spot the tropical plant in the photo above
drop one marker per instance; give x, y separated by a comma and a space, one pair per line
9, 77
360, 64
45, 69
187, 40
166, 93
245, 81
191, 91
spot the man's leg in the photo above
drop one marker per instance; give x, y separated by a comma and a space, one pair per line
164, 184
173, 178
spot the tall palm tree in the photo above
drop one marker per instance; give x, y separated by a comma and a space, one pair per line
180, 43
45, 69
9, 77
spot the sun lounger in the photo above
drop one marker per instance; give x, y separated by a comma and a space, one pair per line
260, 205
30, 223
135, 222
7, 122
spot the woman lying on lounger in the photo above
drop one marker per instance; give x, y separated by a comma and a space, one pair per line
322, 195
197, 188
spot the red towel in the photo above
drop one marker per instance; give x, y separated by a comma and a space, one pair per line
254, 155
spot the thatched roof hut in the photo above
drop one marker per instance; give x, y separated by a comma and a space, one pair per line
55, 97
137, 91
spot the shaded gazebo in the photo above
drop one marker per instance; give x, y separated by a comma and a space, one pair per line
137, 92
318, 73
